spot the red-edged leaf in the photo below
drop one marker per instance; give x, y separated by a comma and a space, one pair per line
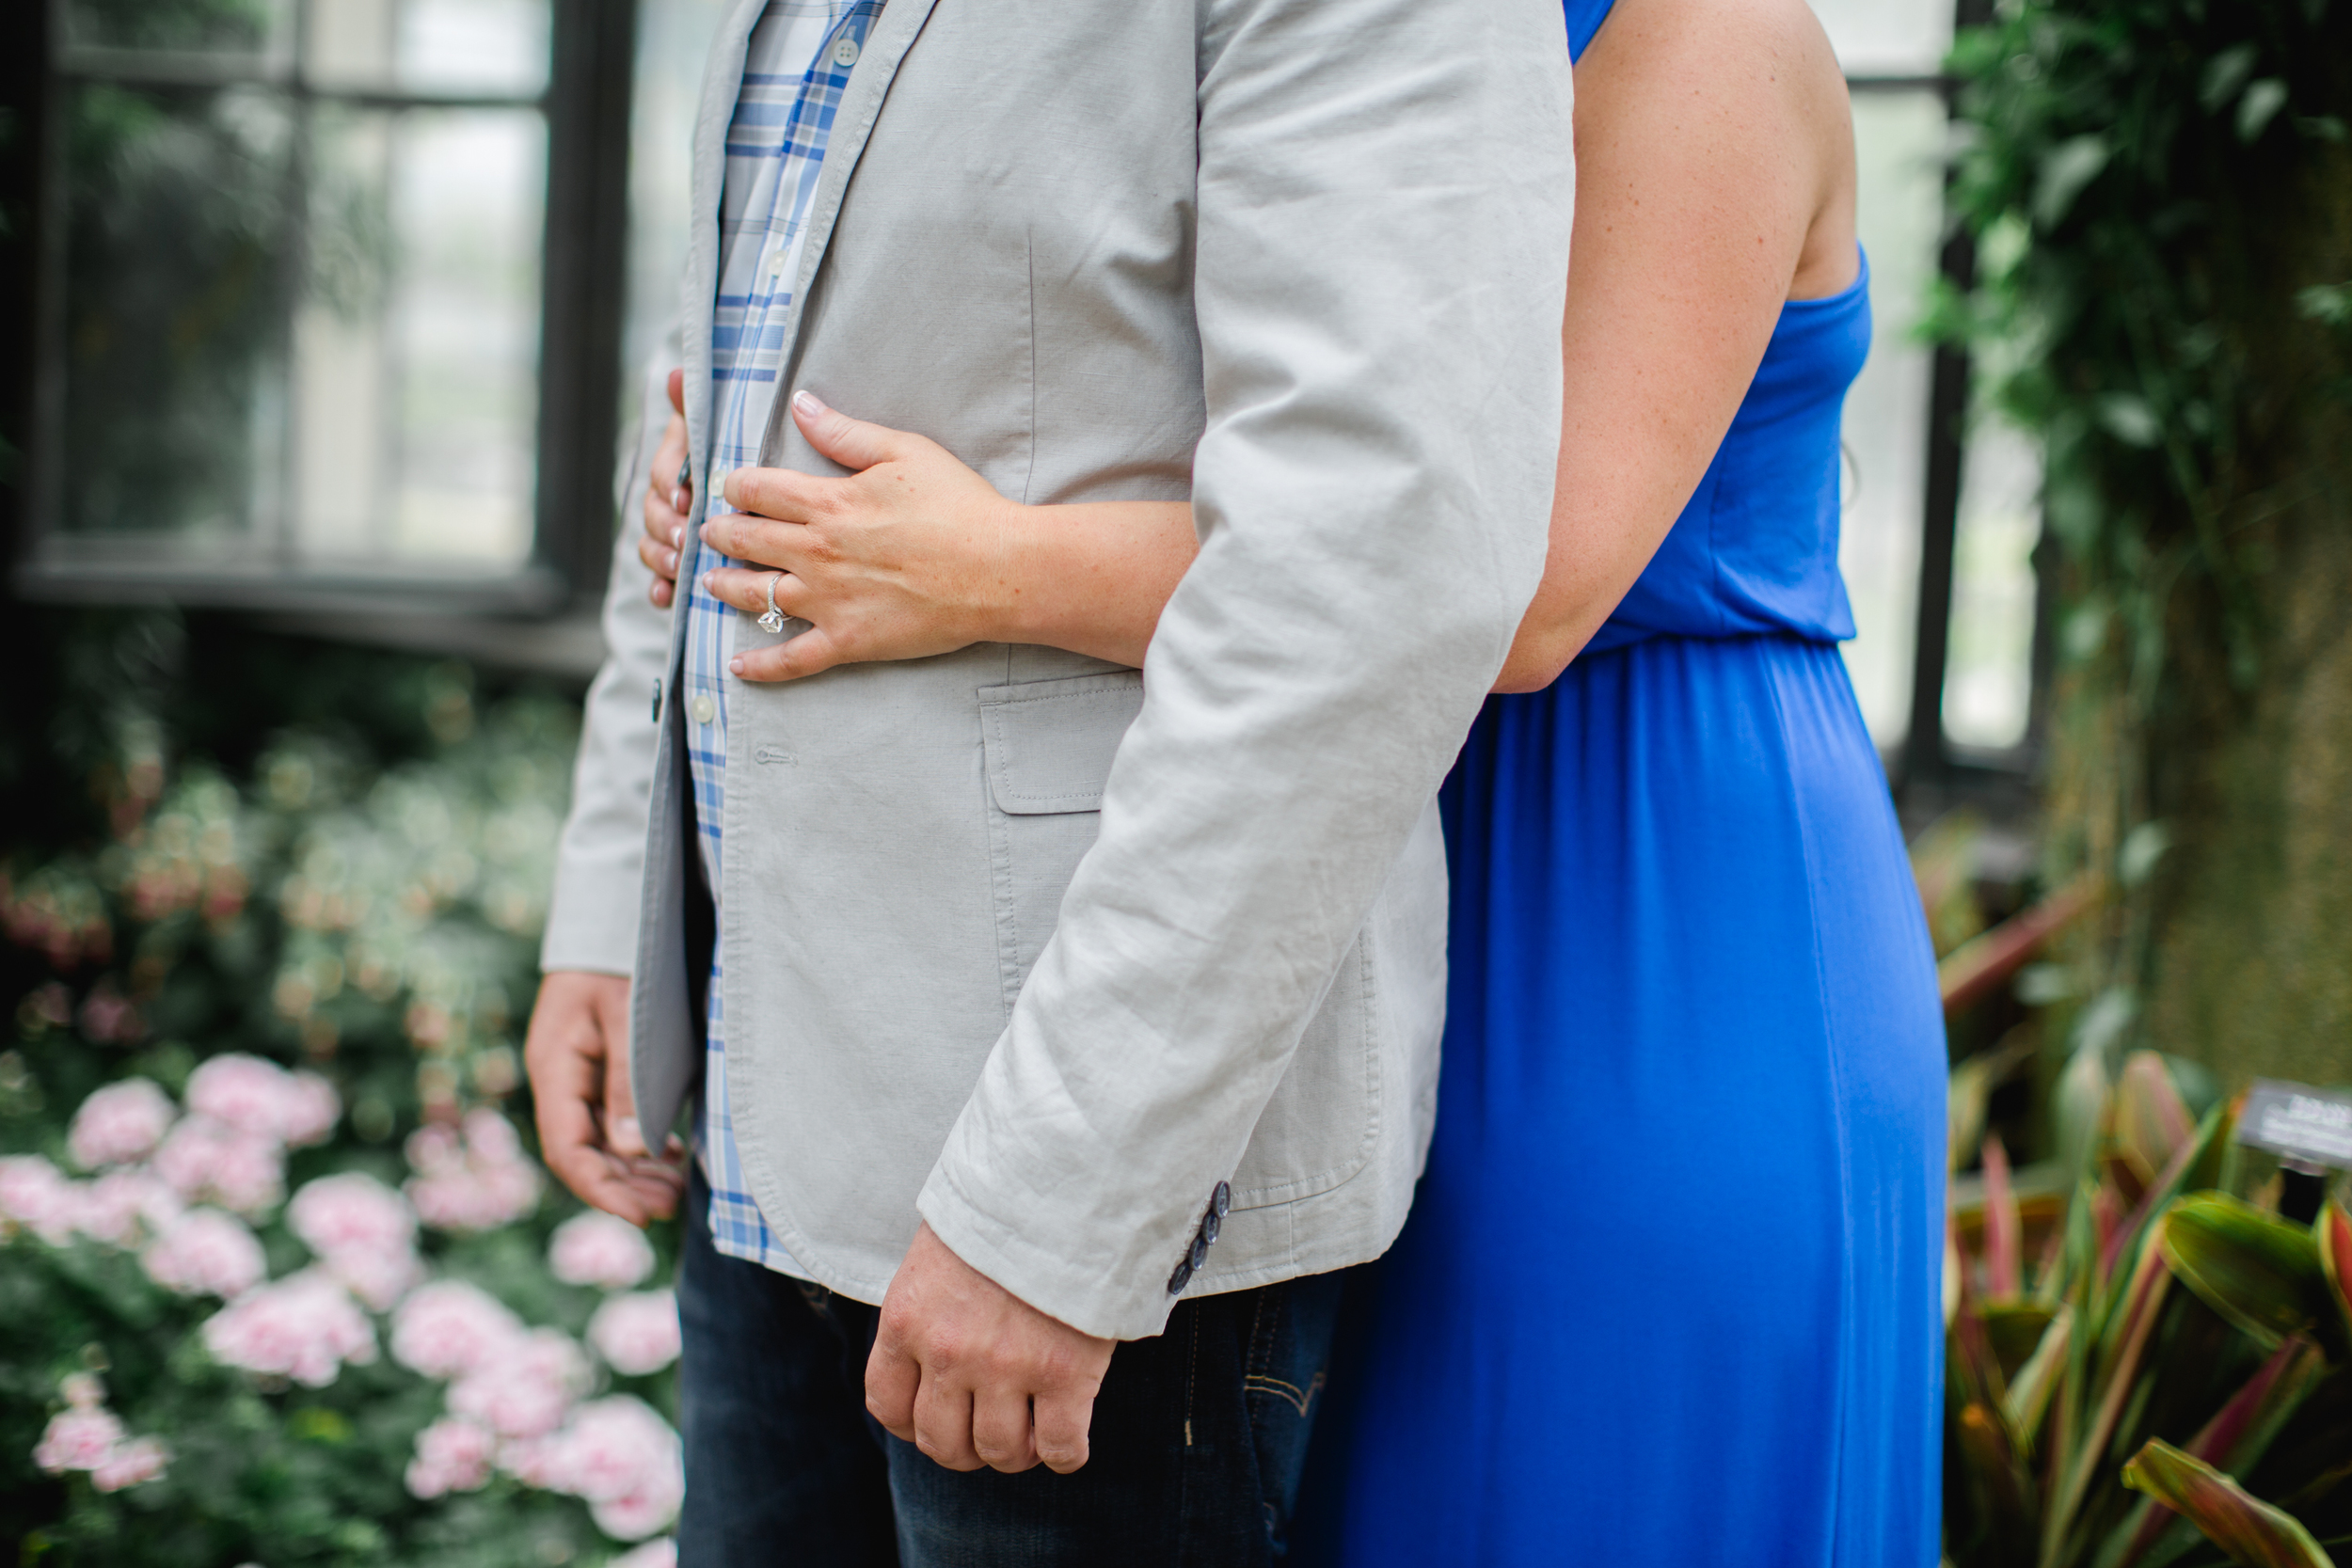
2134, 1322
2250, 1530
2239, 1433
2334, 1229
2004, 1228
2260, 1272
1997, 1482
2152, 1120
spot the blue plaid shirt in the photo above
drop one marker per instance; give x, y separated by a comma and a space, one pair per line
793, 73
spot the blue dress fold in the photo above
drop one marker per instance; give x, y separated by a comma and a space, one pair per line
1669, 1293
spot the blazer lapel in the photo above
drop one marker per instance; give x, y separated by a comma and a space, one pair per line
722, 80
894, 34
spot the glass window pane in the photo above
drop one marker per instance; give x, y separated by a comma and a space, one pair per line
1988, 683
1899, 140
174, 290
1888, 38
672, 44
416, 344
250, 30
481, 47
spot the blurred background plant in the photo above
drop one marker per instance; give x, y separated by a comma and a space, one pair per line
282, 1280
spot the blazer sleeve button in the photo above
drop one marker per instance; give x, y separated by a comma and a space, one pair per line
1182, 1277
1222, 1201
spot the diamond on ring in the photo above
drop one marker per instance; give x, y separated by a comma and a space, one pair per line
774, 620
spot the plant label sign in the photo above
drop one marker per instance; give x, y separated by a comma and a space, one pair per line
2298, 1123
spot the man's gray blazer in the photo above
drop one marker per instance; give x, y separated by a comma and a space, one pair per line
1040, 947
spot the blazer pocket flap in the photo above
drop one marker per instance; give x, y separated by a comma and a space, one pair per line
1050, 743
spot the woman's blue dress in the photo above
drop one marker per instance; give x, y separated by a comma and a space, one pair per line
1669, 1296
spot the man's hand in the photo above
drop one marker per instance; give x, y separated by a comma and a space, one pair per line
577, 1055
973, 1375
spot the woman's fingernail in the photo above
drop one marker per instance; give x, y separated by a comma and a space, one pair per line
678, 536
679, 502
735, 665
711, 583
808, 402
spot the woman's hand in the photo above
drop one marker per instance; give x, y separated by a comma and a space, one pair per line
912, 554
669, 496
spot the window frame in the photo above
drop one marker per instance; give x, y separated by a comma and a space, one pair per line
585, 106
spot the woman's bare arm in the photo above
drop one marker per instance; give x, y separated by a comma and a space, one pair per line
1715, 178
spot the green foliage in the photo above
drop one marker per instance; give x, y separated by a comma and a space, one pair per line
2156, 1334
2160, 191
220, 841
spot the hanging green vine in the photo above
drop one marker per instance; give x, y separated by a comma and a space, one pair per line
2161, 196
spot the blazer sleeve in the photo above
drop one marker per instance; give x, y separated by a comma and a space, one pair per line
600, 867
1385, 195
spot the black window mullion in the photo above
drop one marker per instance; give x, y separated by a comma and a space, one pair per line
584, 285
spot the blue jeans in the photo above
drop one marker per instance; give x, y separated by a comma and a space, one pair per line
1198, 1442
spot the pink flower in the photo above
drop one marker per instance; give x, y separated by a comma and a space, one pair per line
239, 1169
81, 1438
308, 1110
140, 1458
353, 1212
479, 1183
636, 1333
448, 1329
434, 1149
118, 1124
490, 1137
378, 1279
36, 1195
598, 1248
121, 1204
205, 1252
245, 1092
453, 1454
638, 1513
305, 1327
618, 1455
653, 1554
524, 1390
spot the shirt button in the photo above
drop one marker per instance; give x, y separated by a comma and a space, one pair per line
845, 53
704, 709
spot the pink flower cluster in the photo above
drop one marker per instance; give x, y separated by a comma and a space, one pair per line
453, 1454
205, 1252
262, 1100
653, 1554
637, 1334
117, 1208
119, 1124
86, 1436
526, 1389
511, 1381
306, 1327
511, 1396
363, 1233
475, 1179
617, 1454
596, 1248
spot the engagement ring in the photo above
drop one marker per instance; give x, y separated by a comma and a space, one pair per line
773, 619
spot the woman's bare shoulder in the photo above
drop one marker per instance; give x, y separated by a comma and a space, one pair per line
1749, 88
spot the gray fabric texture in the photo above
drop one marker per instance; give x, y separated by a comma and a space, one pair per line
1029, 944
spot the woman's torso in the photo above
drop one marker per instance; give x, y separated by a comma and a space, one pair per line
1754, 551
